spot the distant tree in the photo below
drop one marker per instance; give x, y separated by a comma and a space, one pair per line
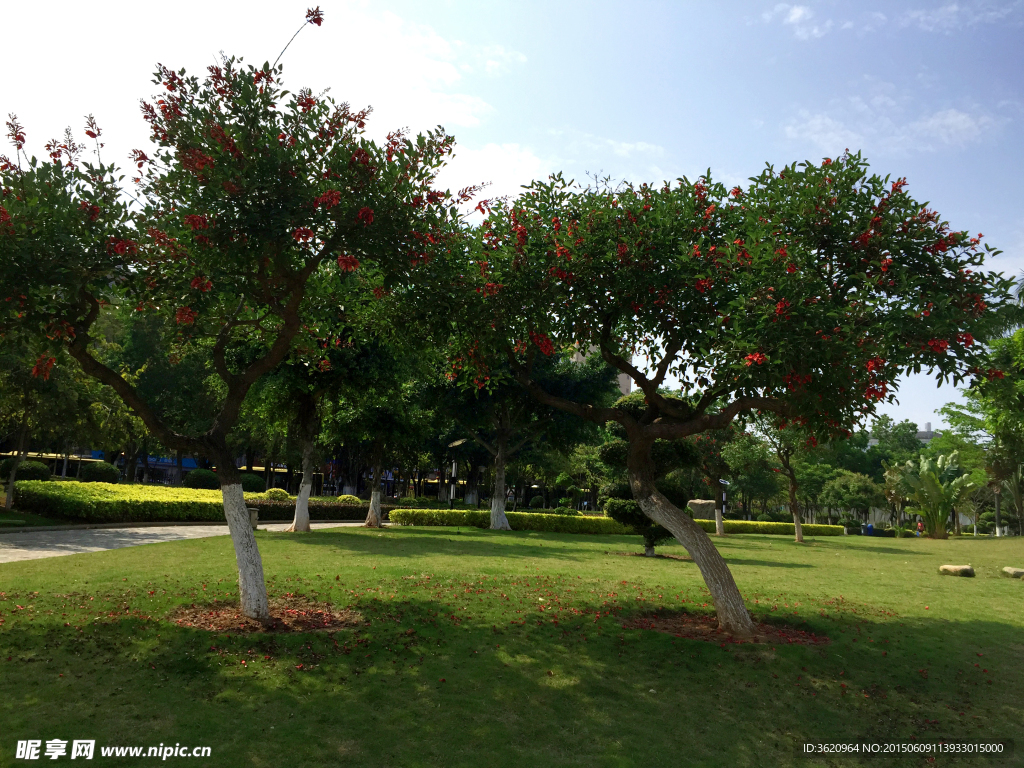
852, 491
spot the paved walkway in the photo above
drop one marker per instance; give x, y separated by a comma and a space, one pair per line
32, 545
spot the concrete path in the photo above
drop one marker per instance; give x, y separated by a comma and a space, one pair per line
32, 545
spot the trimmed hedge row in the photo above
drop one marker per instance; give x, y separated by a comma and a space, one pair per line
529, 521
108, 503
520, 521
772, 529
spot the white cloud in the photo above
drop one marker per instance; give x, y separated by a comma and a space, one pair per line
886, 120
824, 132
953, 16
800, 18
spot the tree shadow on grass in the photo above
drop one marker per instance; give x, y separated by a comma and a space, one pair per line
422, 685
464, 542
766, 563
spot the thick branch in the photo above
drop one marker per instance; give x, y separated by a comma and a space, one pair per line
673, 430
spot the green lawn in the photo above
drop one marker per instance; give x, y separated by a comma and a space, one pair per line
484, 649
18, 519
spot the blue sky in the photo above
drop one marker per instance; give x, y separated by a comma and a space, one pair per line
637, 90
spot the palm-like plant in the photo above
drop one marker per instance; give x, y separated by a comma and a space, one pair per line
936, 486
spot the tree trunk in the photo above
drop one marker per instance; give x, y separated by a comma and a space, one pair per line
374, 518
498, 520
719, 503
301, 521
64, 469
648, 550
145, 464
797, 526
178, 470
309, 428
733, 616
252, 589
19, 456
131, 464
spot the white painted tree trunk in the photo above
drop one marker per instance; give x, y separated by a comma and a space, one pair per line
301, 521
648, 551
348, 490
719, 521
498, 520
374, 518
252, 589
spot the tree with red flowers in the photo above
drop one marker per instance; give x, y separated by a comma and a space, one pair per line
253, 200
804, 295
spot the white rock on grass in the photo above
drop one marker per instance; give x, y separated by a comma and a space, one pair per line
1013, 573
956, 570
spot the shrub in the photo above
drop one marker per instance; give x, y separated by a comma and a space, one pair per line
628, 512
763, 518
519, 521
537, 502
202, 478
348, 498
100, 472
27, 470
252, 483
277, 494
105, 503
565, 511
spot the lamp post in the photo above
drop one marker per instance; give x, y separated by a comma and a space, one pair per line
451, 493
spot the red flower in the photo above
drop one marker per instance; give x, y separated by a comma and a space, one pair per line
92, 211
43, 366
490, 289
876, 391
195, 160
781, 307
965, 338
328, 199
755, 357
121, 247
543, 343
196, 221
315, 16
185, 316
139, 157
875, 364
735, 191
826, 161
201, 283
703, 284
365, 215
556, 223
790, 268
995, 373
348, 263
302, 234
938, 346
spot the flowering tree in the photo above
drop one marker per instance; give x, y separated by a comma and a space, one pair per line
804, 295
253, 199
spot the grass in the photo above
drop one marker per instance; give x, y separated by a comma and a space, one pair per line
486, 649
19, 519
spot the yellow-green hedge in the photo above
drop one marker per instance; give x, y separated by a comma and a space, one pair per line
520, 521
772, 529
107, 503
528, 521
